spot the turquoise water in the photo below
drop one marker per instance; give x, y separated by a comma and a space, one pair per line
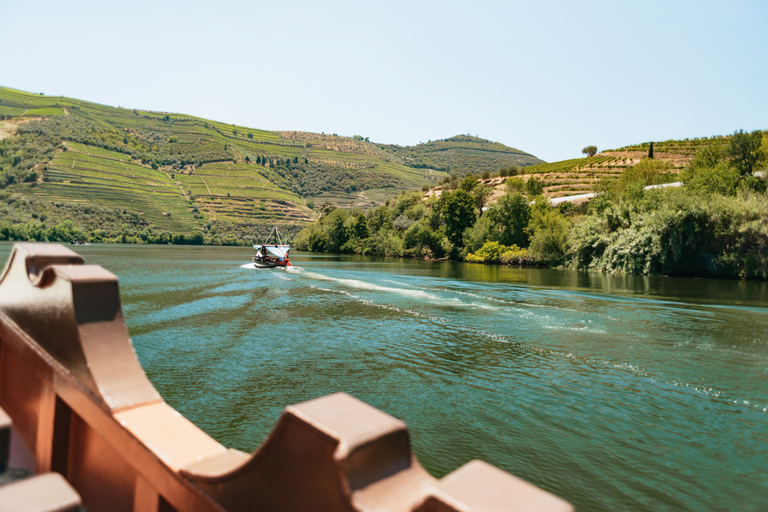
614, 392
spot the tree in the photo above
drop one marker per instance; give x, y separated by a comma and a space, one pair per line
380, 219
647, 172
360, 228
482, 231
335, 229
510, 218
745, 150
458, 212
590, 151
514, 185
549, 243
511, 170
196, 238
468, 183
720, 178
534, 187
481, 194
707, 157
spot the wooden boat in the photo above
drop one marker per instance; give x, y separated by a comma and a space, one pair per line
271, 255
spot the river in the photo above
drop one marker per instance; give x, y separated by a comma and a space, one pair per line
613, 392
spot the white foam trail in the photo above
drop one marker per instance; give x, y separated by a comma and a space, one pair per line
362, 285
383, 306
291, 269
405, 292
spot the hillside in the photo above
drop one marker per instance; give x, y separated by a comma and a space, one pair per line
461, 155
578, 176
181, 173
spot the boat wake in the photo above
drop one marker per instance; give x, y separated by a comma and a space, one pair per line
363, 285
290, 270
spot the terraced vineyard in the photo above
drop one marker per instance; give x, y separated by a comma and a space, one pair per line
579, 175
461, 155
91, 175
242, 191
180, 171
687, 147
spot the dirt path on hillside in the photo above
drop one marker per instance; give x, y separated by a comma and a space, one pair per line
181, 189
206, 185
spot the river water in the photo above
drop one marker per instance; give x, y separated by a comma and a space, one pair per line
613, 392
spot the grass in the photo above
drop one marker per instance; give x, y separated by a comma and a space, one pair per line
12, 111
49, 111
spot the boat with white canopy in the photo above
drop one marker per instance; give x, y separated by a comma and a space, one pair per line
274, 254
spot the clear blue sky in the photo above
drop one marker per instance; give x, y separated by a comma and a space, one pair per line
548, 77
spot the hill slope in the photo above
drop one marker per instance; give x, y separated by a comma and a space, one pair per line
180, 172
461, 155
579, 176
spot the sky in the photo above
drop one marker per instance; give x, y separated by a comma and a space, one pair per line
546, 77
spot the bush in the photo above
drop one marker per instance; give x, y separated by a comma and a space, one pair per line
687, 234
421, 241
534, 187
491, 252
512, 170
402, 223
719, 179
514, 185
514, 256
647, 172
477, 235
549, 243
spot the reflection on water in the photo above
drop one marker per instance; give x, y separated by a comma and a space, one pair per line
615, 392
